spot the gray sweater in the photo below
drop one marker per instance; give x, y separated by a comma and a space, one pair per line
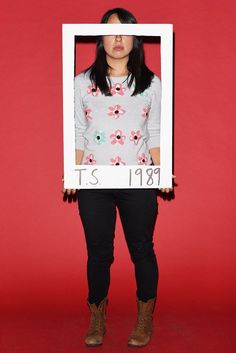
117, 129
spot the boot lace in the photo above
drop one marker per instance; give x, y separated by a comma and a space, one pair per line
96, 323
142, 324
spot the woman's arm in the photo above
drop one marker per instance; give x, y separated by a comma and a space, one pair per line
78, 156
155, 154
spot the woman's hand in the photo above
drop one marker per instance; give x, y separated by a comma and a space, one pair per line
167, 190
67, 191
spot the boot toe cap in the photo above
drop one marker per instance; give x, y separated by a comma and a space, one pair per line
93, 341
138, 342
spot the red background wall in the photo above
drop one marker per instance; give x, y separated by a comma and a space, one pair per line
43, 255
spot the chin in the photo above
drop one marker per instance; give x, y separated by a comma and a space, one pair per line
119, 55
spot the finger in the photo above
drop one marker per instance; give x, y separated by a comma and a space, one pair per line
167, 190
71, 191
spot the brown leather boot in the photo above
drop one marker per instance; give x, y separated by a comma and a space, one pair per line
142, 331
97, 329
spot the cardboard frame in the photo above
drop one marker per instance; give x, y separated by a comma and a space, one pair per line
100, 176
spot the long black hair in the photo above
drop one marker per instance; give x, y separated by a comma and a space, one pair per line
138, 71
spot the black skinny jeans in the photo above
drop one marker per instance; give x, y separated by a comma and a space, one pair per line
138, 211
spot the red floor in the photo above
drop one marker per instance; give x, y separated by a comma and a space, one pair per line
201, 332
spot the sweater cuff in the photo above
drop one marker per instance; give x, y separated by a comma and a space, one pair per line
79, 143
153, 142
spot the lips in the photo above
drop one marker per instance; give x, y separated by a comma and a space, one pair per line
118, 47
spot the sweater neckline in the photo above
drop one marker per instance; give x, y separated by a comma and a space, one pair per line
118, 79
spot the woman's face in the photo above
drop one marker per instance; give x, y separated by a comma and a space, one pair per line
117, 46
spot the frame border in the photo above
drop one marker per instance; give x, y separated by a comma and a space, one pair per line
72, 172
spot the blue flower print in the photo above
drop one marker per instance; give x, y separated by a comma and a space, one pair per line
99, 137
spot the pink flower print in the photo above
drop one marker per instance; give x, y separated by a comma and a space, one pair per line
117, 161
90, 159
146, 111
142, 159
87, 114
93, 90
116, 111
117, 137
135, 136
118, 89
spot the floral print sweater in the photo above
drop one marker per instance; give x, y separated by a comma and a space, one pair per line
117, 129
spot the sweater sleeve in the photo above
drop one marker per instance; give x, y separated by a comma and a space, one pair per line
80, 118
154, 115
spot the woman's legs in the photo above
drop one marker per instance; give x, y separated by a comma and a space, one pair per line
138, 211
98, 215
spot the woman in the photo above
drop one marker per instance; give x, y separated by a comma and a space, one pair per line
117, 122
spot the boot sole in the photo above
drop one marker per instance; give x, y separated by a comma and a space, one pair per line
138, 346
93, 345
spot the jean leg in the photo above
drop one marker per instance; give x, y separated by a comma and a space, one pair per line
98, 215
138, 210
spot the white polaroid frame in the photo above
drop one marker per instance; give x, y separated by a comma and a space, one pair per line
130, 176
